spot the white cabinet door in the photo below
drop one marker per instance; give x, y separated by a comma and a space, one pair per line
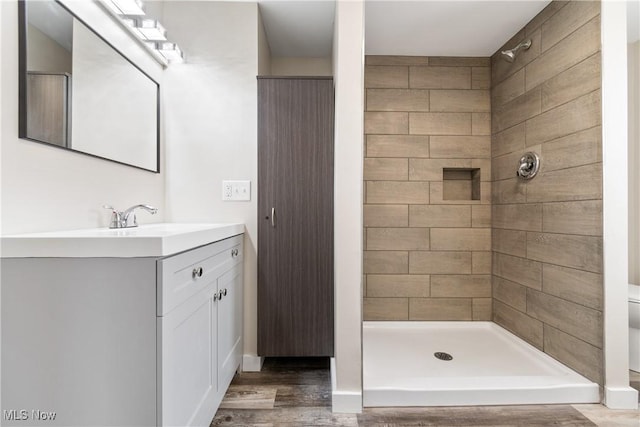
229, 325
188, 382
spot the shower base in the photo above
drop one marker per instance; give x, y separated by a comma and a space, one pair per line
489, 366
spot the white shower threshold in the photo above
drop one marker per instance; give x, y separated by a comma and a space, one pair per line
490, 366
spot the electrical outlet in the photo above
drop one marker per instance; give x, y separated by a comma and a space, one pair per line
236, 190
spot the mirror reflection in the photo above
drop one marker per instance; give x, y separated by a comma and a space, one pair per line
81, 94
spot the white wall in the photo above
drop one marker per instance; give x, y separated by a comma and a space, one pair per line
211, 123
348, 62
45, 54
264, 51
633, 59
301, 66
618, 394
48, 188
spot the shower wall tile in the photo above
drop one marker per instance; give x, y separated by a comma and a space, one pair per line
433, 262
386, 308
397, 100
481, 309
459, 61
474, 101
520, 270
481, 262
578, 80
544, 15
576, 320
438, 77
580, 183
501, 69
566, 21
398, 285
480, 77
386, 77
579, 45
508, 141
438, 124
581, 252
584, 217
386, 123
408, 239
508, 191
386, 262
508, 90
455, 147
461, 239
481, 216
397, 146
578, 149
516, 321
481, 123
581, 287
386, 215
397, 192
516, 111
440, 309
424, 115
396, 60
510, 242
582, 357
440, 216
579, 114
510, 293
461, 285
527, 217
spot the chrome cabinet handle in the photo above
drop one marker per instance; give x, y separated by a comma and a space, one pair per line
215, 297
224, 292
197, 272
220, 295
234, 252
273, 217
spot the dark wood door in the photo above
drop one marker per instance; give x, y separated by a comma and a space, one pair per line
295, 217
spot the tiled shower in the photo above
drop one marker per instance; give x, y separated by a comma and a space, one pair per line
450, 232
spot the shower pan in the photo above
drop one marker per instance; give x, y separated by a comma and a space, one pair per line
406, 364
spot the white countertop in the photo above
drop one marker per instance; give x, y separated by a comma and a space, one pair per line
151, 240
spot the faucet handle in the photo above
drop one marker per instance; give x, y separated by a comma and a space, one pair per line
116, 217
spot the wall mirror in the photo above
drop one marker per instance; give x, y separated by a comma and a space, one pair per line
79, 93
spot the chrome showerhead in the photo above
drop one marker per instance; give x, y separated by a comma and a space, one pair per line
510, 55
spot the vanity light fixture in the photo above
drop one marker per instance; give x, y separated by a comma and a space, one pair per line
126, 7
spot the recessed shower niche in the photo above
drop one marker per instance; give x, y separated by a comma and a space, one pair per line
461, 183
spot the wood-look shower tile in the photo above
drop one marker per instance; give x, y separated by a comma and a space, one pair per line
508, 191
460, 101
574, 319
461, 239
460, 147
605, 417
481, 77
481, 216
386, 215
572, 83
524, 326
511, 242
546, 13
386, 262
520, 270
382, 169
249, 397
579, 217
432, 262
577, 149
482, 309
460, 286
516, 111
566, 21
395, 192
438, 124
579, 286
408, 239
580, 356
440, 216
385, 309
521, 415
386, 123
432, 77
460, 61
386, 77
568, 250
579, 45
508, 141
579, 183
501, 69
395, 60
527, 217
440, 309
431, 169
480, 123
510, 293
397, 100
398, 146
508, 89
398, 285
481, 262
579, 114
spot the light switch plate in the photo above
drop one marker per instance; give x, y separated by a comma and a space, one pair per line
236, 190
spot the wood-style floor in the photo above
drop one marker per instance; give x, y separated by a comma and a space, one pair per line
297, 392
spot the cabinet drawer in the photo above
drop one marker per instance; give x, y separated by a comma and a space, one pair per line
183, 275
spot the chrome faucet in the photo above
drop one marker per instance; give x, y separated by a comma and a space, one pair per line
127, 218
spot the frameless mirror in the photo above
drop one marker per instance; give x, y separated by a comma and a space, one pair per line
79, 93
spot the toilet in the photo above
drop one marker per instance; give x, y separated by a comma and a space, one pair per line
634, 328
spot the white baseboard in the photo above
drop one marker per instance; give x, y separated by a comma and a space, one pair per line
252, 363
346, 402
620, 398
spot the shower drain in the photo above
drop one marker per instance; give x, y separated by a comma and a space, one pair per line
443, 356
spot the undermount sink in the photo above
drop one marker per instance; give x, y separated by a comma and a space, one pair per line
151, 240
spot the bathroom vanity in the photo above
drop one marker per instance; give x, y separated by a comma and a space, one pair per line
121, 327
